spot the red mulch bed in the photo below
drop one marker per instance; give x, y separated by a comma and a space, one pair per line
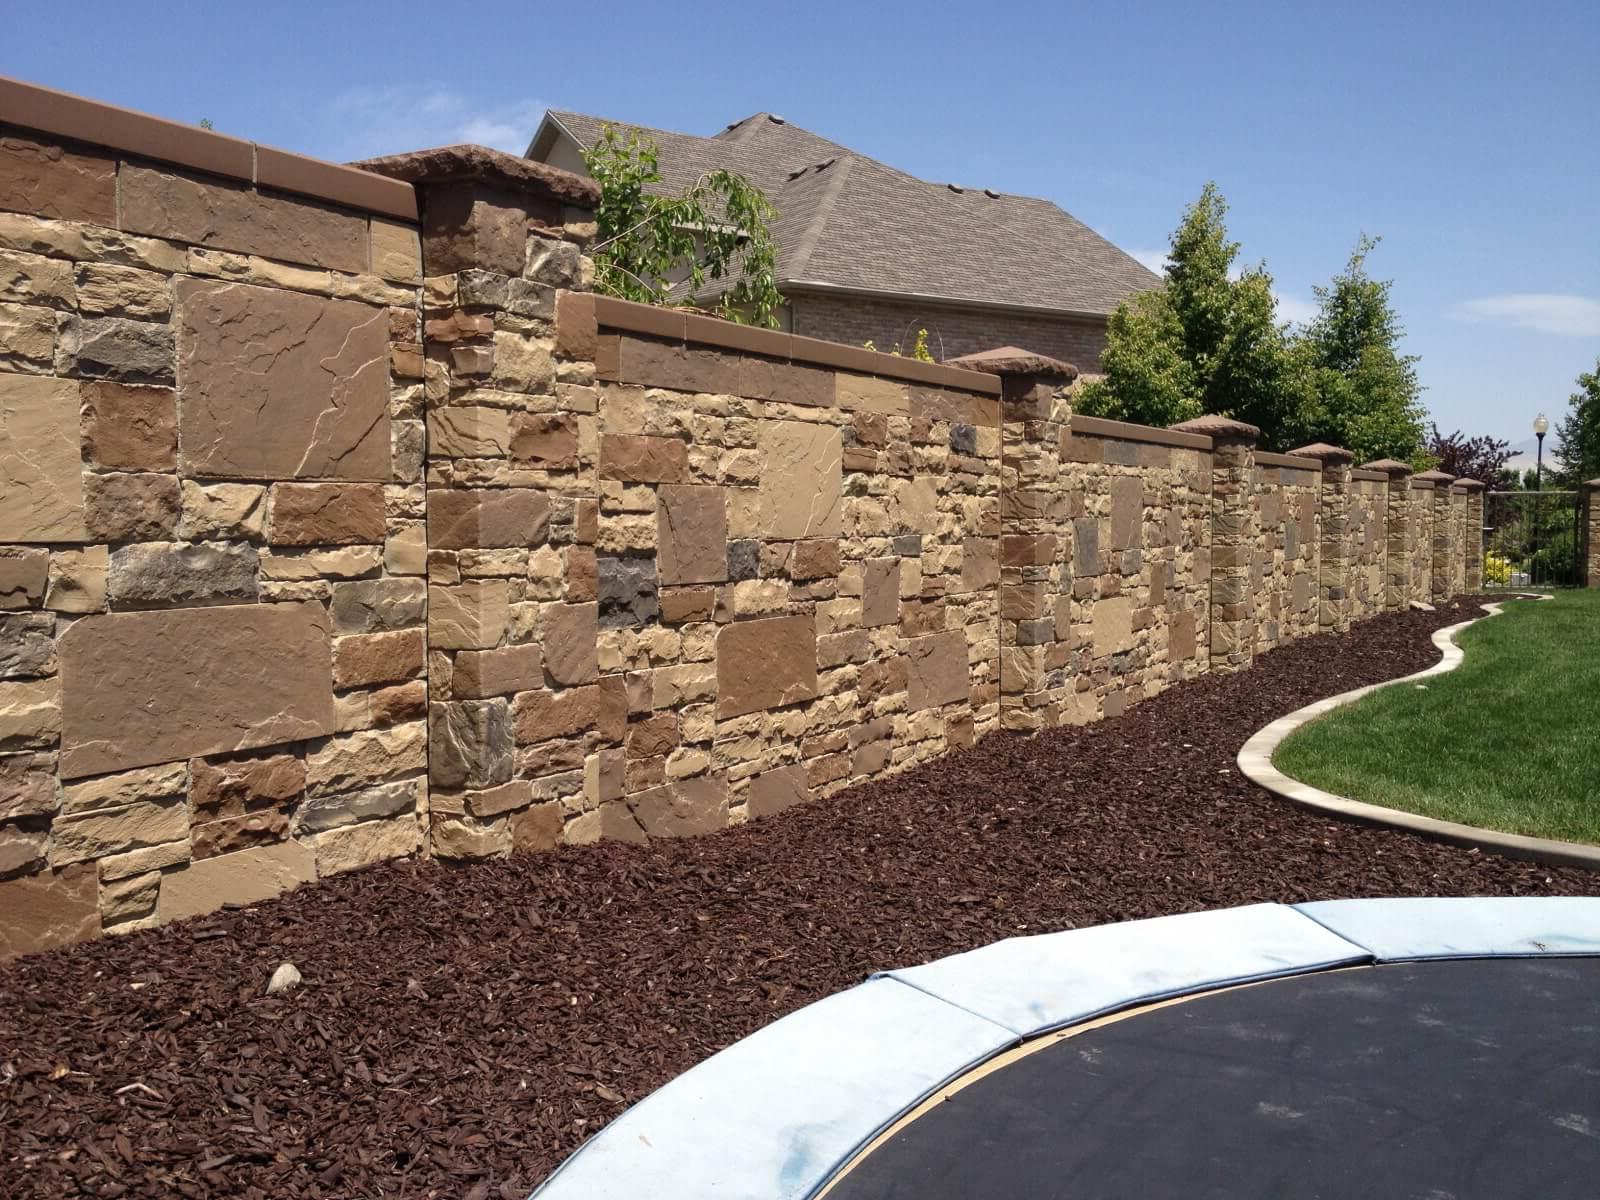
461, 1030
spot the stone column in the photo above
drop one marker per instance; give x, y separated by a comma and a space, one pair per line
510, 509
1472, 535
1591, 525
1235, 533
1035, 549
1439, 524
1399, 533
1333, 514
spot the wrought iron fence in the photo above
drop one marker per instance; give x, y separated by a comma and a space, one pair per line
1532, 539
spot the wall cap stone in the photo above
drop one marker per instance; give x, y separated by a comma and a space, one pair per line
1219, 428
1470, 485
1293, 462
63, 115
1438, 477
1012, 360
1324, 453
1372, 476
1387, 466
1592, 485
1126, 431
453, 164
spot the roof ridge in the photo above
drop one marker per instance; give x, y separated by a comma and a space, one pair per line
819, 219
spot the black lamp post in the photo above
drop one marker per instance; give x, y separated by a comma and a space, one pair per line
1540, 427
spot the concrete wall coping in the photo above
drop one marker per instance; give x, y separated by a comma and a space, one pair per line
680, 325
1369, 476
1126, 431
61, 114
1267, 458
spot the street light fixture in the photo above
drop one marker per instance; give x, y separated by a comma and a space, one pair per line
1541, 426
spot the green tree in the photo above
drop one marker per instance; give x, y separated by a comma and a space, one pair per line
1209, 342
1360, 392
1578, 455
650, 244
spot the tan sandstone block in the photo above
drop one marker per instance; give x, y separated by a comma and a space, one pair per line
775, 790
1113, 625
41, 472
243, 877
766, 664
123, 291
685, 808
128, 427
469, 431
223, 510
23, 575
396, 251
279, 385
356, 760
96, 833
350, 847
30, 713
28, 333
866, 393
27, 786
151, 687
802, 481
158, 785
468, 616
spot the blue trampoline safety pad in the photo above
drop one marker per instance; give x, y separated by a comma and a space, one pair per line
772, 1116
1032, 985
1406, 929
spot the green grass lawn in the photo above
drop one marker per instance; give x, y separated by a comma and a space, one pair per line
1510, 740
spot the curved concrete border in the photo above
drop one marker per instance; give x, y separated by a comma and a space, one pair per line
1255, 760
777, 1115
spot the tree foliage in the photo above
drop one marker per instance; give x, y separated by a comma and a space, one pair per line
1211, 342
1578, 455
1480, 458
650, 245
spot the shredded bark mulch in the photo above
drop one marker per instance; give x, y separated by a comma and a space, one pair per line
460, 1031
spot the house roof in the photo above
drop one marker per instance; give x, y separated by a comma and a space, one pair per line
851, 223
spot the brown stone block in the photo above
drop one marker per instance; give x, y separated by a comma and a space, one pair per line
576, 327
469, 224
325, 514
226, 216
691, 534
366, 659
1027, 549
836, 649
1127, 512
49, 910
766, 664
922, 616
775, 790
685, 808
548, 440
936, 670
140, 688
23, 573
883, 678
487, 518
1082, 449
27, 786
280, 385
541, 716
399, 703
583, 574
569, 634
212, 838
980, 564
537, 827
1181, 637
234, 787
130, 428
828, 769
132, 507
41, 486
638, 459
818, 559
687, 604
47, 180
654, 736
478, 674
880, 592
468, 616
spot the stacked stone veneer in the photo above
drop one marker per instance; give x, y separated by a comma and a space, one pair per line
1591, 530
339, 522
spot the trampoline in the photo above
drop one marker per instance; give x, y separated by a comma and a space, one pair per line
1437, 1049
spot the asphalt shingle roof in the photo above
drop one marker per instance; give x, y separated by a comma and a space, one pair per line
846, 220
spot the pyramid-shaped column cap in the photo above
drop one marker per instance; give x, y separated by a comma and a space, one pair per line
1220, 429
1389, 466
1591, 485
1437, 478
1012, 360
1327, 455
1470, 485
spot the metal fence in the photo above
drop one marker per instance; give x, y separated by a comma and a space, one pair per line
1533, 539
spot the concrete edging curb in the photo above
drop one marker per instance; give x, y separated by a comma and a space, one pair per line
1255, 761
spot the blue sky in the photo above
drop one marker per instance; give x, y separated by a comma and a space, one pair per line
1467, 135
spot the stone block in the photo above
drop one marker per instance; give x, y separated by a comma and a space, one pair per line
211, 838
569, 635
634, 458
353, 846
173, 574
478, 674
22, 850
107, 289
23, 575
537, 827
34, 279
880, 592
132, 507
775, 790
766, 664
41, 472
356, 760
369, 605
234, 787
47, 180
684, 808
183, 208
545, 440
691, 534
801, 481
1085, 547
128, 899
468, 616
627, 592
223, 510
466, 838
98, 832
469, 743
27, 786
27, 645
1127, 512
980, 564
365, 659
130, 428
487, 518
817, 559
243, 877
152, 687
399, 702
396, 251
469, 431
318, 813
30, 714
936, 670
541, 716
48, 911
345, 562
325, 514
1113, 625
281, 385
117, 348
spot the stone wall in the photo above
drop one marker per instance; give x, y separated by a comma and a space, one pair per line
1591, 528
340, 522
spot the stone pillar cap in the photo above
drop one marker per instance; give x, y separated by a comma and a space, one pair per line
1325, 453
1436, 477
1219, 428
1471, 485
1012, 360
1592, 484
453, 164
1388, 466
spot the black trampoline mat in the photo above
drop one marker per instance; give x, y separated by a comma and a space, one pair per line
1472, 1080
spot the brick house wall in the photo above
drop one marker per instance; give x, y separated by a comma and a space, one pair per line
952, 332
